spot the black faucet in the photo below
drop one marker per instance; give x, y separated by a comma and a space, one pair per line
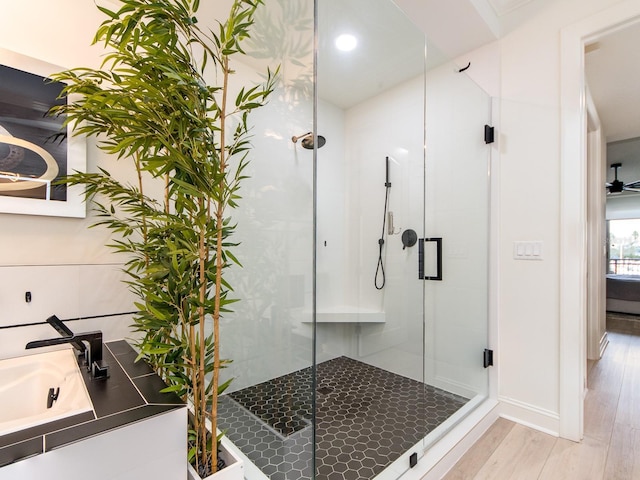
93, 354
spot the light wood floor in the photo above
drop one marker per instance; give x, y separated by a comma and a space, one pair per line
611, 446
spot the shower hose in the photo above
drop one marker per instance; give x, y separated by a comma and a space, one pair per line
380, 279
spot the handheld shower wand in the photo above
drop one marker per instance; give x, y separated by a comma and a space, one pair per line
379, 279
387, 183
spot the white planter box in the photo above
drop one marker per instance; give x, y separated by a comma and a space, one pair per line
233, 471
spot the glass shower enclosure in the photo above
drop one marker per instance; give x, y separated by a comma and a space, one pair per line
363, 230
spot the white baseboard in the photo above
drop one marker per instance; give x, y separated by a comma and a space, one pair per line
530, 416
604, 341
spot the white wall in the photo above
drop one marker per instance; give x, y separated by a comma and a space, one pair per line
530, 205
71, 273
389, 125
64, 265
265, 336
530, 139
333, 276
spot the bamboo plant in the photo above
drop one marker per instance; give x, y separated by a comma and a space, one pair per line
150, 103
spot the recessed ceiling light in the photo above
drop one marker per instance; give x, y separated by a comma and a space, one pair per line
346, 42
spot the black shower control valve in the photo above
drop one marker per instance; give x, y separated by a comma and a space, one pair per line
409, 238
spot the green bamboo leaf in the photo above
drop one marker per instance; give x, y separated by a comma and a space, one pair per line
149, 104
172, 388
157, 313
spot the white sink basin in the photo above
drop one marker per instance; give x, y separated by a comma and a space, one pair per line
24, 389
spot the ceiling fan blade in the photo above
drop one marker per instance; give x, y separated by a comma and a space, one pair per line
635, 184
632, 189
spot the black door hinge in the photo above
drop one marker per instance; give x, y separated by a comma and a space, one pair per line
489, 134
488, 358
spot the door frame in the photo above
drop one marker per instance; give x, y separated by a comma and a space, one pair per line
573, 211
596, 211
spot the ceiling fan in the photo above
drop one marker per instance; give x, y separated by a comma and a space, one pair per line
618, 186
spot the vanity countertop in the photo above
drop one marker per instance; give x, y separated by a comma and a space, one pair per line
130, 394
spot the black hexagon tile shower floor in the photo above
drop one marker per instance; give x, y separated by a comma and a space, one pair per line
366, 418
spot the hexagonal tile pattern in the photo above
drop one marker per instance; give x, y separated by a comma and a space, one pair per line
366, 417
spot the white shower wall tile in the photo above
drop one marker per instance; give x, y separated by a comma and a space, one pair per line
332, 201
102, 290
54, 289
67, 291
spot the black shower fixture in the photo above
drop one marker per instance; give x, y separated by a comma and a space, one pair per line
380, 278
307, 140
409, 238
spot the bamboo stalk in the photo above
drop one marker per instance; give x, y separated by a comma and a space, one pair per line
203, 257
144, 217
194, 380
191, 162
219, 214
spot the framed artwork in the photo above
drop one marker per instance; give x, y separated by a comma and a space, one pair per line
33, 154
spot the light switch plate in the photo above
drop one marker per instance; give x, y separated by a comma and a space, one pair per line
528, 250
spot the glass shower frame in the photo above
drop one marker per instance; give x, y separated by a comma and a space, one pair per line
455, 111
295, 315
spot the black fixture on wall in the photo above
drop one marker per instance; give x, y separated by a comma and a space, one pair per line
487, 358
380, 278
489, 134
308, 142
92, 351
438, 275
409, 238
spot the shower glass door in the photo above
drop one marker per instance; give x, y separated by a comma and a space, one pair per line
352, 352
457, 213
267, 411
371, 400
401, 242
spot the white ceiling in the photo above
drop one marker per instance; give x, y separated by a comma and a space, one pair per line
390, 35
502, 7
390, 50
454, 27
612, 66
390, 44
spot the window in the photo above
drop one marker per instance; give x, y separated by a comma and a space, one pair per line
624, 246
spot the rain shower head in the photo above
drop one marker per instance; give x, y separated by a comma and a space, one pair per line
307, 140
